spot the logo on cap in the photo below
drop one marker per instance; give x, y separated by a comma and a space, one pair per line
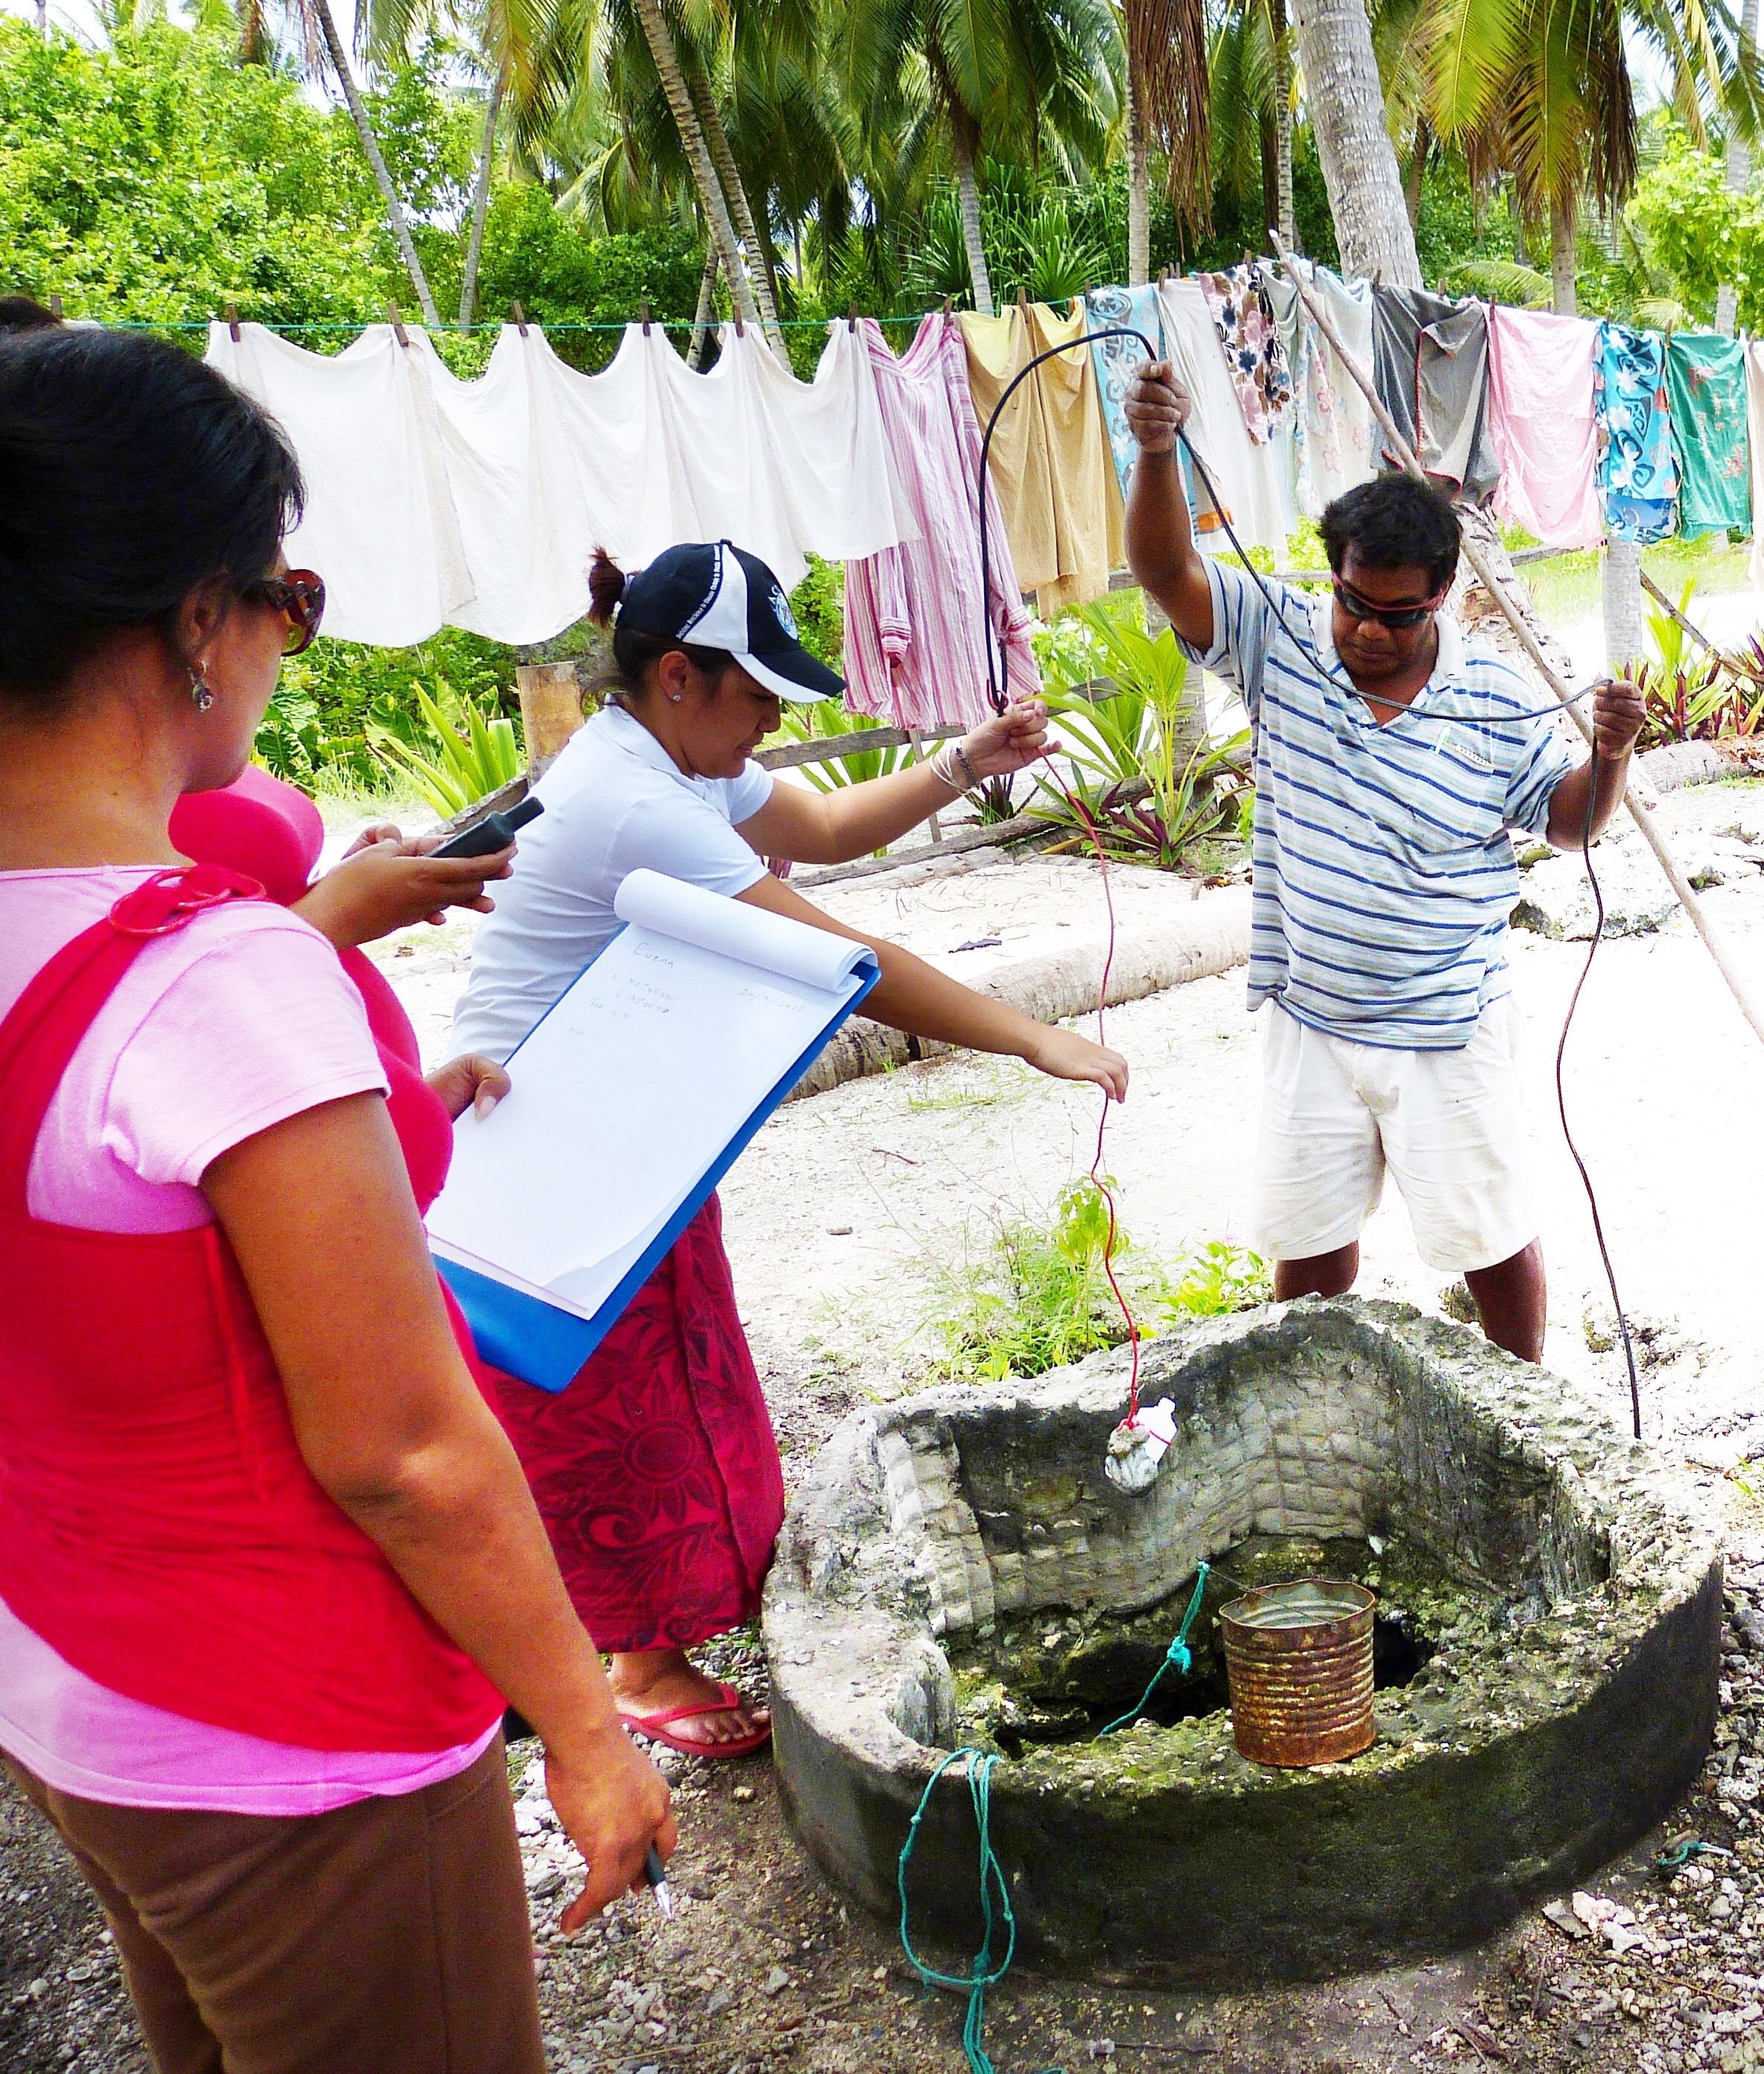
781, 612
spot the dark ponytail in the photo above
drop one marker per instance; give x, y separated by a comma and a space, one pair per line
634, 653
131, 473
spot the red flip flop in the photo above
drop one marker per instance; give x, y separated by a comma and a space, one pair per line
655, 1727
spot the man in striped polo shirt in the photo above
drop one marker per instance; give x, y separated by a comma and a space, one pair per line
1391, 758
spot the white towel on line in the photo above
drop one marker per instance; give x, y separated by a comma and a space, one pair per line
479, 504
1255, 481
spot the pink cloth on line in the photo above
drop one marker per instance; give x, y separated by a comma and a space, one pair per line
914, 649
1541, 414
208, 1040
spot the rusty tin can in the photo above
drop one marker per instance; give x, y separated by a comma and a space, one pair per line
1299, 1660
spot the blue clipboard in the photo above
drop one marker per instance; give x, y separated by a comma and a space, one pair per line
545, 1345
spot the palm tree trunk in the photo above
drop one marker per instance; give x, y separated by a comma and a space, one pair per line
710, 197
961, 144
480, 199
1622, 604
1346, 102
1139, 190
1415, 175
395, 208
1738, 170
729, 174
1283, 121
1563, 244
701, 316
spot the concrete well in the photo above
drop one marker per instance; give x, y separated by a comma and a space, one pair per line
956, 1569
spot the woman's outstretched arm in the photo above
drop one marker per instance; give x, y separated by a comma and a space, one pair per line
832, 827
914, 996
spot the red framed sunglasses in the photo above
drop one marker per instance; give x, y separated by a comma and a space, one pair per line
299, 597
1399, 617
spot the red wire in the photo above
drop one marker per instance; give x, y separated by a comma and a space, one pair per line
1083, 812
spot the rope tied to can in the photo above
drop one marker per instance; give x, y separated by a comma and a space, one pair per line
1177, 1657
984, 1971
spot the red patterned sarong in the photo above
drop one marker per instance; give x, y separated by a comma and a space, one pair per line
655, 1470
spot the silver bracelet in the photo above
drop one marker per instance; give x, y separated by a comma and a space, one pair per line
944, 766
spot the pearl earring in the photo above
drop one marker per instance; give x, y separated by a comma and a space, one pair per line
676, 697
200, 697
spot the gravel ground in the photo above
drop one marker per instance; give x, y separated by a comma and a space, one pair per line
834, 1216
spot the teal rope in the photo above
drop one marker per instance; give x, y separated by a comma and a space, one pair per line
983, 1972
1177, 1656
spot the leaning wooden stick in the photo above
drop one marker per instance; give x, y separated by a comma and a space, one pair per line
1403, 452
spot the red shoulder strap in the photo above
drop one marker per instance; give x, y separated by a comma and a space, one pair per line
49, 1018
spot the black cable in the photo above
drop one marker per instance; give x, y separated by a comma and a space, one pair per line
995, 693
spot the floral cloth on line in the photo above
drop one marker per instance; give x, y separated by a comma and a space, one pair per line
1637, 476
1245, 320
1705, 383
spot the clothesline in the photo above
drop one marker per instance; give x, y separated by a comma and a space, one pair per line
494, 323
479, 503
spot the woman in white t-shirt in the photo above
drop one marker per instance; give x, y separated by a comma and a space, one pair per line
656, 1471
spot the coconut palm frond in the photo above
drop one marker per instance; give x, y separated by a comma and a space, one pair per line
1166, 56
1504, 281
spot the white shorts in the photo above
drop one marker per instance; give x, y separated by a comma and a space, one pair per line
1450, 1126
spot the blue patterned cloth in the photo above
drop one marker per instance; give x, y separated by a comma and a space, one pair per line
1119, 359
1637, 476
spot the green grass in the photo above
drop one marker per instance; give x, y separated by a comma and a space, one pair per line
1037, 1297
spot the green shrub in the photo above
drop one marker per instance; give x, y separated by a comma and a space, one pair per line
467, 754
1040, 1296
333, 703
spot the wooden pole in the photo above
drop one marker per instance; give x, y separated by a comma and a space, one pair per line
551, 709
917, 740
1663, 850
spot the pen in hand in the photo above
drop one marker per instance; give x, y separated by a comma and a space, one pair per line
656, 1874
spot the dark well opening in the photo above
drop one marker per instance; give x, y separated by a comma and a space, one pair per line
1060, 1677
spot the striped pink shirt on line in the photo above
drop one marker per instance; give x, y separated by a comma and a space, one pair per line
915, 647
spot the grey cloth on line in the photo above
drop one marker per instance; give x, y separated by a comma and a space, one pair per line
1431, 362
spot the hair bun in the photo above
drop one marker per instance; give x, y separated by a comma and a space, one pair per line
606, 587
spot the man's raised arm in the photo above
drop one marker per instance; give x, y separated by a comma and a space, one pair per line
1161, 552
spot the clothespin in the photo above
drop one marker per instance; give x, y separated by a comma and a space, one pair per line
1164, 275
55, 308
397, 323
642, 312
950, 304
520, 318
740, 329
851, 318
1022, 300
233, 321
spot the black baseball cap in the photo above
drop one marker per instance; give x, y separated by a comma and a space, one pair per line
716, 595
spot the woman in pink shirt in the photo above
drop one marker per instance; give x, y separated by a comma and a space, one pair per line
268, 1567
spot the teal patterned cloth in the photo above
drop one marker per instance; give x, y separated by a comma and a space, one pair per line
1705, 383
1638, 475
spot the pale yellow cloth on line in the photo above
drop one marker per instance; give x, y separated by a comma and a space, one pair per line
1050, 458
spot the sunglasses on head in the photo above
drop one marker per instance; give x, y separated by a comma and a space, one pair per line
1398, 617
299, 597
